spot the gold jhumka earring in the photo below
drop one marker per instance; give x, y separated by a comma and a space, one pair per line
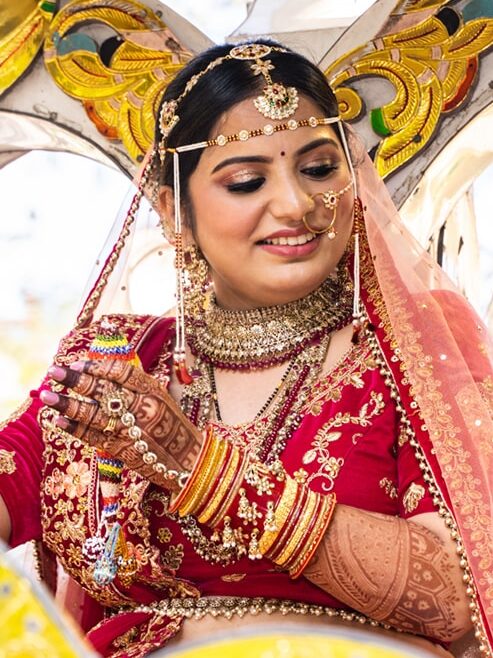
276, 102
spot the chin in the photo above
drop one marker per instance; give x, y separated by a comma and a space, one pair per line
288, 292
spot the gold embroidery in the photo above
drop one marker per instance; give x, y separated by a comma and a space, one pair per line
403, 436
16, 414
486, 388
122, 641
413, 496
300, 475
7, 463
348, 372
173, 557
390, 488
164, 535
328, 465
233, 577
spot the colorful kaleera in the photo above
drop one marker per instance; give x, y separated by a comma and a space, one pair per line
108, 548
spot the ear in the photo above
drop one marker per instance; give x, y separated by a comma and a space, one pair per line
166, 208
166, 204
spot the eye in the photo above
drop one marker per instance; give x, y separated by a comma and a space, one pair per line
247, 186
319, 171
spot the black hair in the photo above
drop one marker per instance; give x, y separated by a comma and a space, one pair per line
223, 87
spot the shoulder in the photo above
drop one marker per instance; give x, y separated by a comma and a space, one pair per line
143, 332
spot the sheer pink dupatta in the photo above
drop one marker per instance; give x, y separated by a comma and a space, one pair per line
446, 354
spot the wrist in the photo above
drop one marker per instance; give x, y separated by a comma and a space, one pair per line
258, 509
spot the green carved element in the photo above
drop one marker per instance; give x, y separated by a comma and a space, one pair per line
378, 122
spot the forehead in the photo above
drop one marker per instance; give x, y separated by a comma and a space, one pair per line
245, 116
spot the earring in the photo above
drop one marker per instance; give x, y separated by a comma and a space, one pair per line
330, 199
197, 282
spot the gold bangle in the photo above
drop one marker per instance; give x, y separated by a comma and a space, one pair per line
176, 502
300, 532
225, 484
291, 523
316, 536
281, 514
211, 464
235, 487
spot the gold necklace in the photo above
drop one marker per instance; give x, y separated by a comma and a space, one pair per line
264, 337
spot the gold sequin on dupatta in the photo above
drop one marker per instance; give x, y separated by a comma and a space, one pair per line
413, 496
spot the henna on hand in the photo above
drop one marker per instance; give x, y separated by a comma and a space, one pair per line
167, 431
392, 570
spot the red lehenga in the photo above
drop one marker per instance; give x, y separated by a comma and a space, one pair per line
351, 440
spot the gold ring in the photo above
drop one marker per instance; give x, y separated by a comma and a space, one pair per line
113, 403
110, 425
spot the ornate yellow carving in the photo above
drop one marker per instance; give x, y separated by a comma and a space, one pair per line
431, 72
121, 96
20, 45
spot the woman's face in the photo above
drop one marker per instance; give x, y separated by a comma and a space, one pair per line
249, 199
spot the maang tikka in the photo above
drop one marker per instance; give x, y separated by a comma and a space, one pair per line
276, 102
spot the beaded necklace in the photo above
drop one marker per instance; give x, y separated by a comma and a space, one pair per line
263, 337
287, 400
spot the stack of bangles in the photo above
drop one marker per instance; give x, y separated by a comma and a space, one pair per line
279, 517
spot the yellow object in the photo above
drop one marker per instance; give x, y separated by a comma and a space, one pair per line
430, 71
299, 645
28, 22
121, 96
31, 623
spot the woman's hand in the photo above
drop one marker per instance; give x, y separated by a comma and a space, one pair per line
117, 407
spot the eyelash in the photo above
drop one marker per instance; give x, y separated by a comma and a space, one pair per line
320, 171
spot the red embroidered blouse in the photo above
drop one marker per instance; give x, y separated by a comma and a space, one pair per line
349, 441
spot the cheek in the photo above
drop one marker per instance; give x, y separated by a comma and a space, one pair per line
227, 218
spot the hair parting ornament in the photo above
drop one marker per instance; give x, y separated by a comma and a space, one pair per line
277, 103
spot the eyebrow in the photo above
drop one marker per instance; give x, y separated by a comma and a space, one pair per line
322, 141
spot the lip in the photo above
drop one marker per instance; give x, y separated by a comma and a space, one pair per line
291, 251
287, 233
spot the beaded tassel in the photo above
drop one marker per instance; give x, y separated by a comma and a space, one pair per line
179, 358
108, 547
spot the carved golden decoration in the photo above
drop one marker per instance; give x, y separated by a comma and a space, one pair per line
431, 72
20, 45
120, 96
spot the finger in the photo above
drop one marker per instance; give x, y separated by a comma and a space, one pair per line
123, 373
79, 381
78, 410
77, 430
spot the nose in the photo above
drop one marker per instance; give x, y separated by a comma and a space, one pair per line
290, 201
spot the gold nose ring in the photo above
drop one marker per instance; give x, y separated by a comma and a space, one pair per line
330, 199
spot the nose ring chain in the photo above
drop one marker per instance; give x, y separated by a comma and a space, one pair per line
330, 199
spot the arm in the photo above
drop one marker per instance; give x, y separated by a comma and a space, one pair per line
405, 573
21, 460
5, 526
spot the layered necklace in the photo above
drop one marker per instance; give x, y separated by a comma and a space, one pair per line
263, 337
297, 334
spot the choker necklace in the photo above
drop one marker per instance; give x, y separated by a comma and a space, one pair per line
263, 337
